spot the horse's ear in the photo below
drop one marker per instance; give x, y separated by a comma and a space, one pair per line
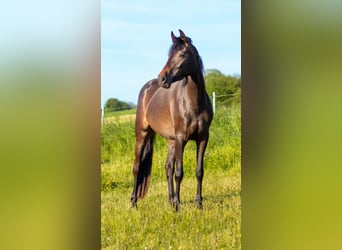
183, 37
173, 37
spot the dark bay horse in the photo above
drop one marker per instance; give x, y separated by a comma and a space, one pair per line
177, 107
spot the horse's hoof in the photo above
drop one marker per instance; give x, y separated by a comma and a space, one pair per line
171, 201
198, 202
176, 205
134, 205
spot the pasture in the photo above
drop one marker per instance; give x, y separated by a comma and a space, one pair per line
155, 224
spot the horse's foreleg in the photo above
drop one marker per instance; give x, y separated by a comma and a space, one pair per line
179, 147
169, 169
201, 146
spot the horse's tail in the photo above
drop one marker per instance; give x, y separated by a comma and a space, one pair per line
144, 173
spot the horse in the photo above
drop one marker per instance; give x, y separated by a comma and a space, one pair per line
176, 106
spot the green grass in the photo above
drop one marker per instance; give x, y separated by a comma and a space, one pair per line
119, 113
155, 225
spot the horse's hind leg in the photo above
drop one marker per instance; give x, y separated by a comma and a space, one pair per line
139, 147
142, 163
201, 146
169, 168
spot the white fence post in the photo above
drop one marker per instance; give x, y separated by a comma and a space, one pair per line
214, 102
102, 114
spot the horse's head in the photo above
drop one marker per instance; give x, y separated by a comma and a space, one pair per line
183, 60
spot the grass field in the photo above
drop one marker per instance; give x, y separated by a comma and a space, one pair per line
120, 113
155, 225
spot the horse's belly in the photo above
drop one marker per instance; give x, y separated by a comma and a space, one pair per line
161, 124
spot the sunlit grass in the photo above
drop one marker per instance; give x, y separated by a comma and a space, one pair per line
119, 113
155, 224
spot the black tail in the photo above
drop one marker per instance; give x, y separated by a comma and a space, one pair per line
144, 174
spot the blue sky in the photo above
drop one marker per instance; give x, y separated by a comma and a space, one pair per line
135, 39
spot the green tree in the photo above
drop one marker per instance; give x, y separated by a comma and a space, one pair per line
113, 104
227, 88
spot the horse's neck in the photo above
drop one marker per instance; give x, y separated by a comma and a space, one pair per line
196, 92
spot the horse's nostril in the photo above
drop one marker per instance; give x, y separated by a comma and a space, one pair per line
162, 80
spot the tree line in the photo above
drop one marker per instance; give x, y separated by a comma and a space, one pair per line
227, 89
114, 104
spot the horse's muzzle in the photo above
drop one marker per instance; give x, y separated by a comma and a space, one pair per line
162, 81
